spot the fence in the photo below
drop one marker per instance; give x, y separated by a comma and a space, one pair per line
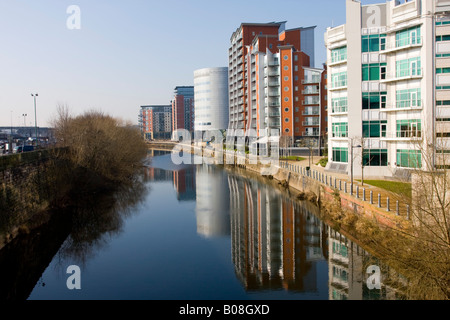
360, 193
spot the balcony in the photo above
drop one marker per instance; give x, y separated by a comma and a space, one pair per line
403, 44
274, 104
413, 105
315, 112
311, 80
310, 123
311, 101
314, 133
411, 74
410, 135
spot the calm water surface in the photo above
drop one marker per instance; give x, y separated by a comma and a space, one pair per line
202, 232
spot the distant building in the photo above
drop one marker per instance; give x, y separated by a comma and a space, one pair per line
211, 99
183, 109
156, 122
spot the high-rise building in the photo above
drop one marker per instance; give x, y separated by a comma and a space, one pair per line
183, 114
273, 84
156, 121
389, 88
211, 99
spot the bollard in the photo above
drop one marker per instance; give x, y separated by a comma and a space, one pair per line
326, 180
397, 209
345, 186
364, 194
387, 204
357, 192
335, 183
407, 212
371, 197
351, 189
379, 200
340, 185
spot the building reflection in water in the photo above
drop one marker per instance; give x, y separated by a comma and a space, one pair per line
278, 242
184, 184
275, 241
348, 263
213, 201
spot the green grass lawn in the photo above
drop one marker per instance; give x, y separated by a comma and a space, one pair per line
402, 188
293, 158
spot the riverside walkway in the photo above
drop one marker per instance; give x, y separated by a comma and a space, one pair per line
379, 198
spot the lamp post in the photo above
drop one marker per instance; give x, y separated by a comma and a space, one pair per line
24, 115
351, 168
35, 119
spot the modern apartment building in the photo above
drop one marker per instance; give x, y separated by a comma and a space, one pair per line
273, 84
389, 88
183, 114
155, 121
211, 99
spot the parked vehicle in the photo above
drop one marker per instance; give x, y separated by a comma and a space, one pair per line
20, 149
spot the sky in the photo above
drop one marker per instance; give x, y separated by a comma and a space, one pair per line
120, 55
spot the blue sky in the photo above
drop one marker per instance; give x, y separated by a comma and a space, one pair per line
127, 53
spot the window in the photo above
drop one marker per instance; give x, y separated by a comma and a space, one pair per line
443, 38
408, 67
409, 128
339, 79
286, 119
408, 98
296, 68
373, 43
339, 54
286, 88
407, 37
286, 78
286, 109
409, 158
286, 57
295, 58
340, 155
375, 157
286, 68
372, 72
374, 129
443, 103
442, 70
340, 129
373, 100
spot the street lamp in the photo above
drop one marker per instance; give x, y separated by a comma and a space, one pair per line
35, 119
351, 157
24, 115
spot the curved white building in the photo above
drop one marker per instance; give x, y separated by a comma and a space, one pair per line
211, 99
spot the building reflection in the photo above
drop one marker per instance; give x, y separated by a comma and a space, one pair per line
213, 204
276, 242
184, 184
348, 263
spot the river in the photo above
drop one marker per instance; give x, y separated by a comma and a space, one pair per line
190, 232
